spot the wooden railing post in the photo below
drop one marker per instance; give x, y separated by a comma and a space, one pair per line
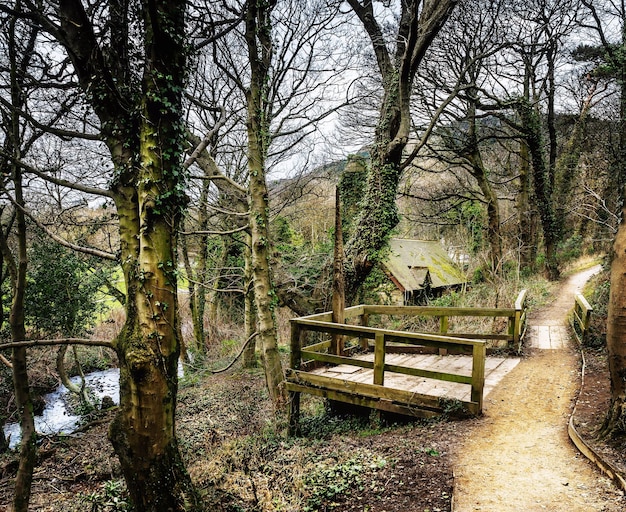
479, 354
297, 334
364, 322
584, 319
520, 306
443, 329
379, 359
443, 324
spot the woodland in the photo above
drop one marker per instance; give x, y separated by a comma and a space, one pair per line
168, 181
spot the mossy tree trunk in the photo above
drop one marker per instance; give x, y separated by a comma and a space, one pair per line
527, 243
531, 126
418, 25
141, 123
259, 44
250, 320
615, 422
566, 168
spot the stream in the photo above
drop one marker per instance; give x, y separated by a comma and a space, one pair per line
56, 419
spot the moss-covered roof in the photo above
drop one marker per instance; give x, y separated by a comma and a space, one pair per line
416, 264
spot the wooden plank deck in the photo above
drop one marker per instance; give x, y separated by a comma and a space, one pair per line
495, 369
548, 337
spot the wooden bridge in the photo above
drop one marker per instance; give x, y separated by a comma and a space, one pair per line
412, 373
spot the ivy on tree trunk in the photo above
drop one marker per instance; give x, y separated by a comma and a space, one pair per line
418, 25
259, 44
142, 127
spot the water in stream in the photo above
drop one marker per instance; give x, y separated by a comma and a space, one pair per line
55, 417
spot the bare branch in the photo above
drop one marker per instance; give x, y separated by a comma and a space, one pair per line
206, 140
5, 361
232, 231
59, 341
61, 182
65, 243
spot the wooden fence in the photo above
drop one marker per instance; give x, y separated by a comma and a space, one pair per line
581, 317
304, 358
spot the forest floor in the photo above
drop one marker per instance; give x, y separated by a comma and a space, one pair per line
517, 456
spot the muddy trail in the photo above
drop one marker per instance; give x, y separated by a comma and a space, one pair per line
518, 456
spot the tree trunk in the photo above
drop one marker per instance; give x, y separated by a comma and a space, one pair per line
28, 443
527, 243
531, 124
249, 354
263, 293
198, 274
615, 422
379, 215
144, 133
192, 277
478, 171
143, 432
259, 42
23, 400
493, 212
567, 164
18, 264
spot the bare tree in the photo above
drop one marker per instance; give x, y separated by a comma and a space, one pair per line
280, 92
19, 40
418, 24
129, 60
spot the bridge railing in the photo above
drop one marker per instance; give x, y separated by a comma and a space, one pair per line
305, 356
516, 319
581, 317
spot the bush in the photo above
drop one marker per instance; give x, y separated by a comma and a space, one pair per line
62, 289
570, 249
597, 290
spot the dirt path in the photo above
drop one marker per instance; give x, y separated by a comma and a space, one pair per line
518, 456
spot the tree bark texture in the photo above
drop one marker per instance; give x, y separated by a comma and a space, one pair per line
23, 400
17, 263
615, 422
531, 125
259, 43
144, 134
250, 320
479, 172
567, 165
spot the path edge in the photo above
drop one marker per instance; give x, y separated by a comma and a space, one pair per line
605, 467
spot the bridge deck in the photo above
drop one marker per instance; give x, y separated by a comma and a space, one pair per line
495, 369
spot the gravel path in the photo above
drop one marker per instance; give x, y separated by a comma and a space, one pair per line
518, 457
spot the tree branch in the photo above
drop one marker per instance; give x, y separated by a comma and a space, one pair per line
65, 243
59, 341
61, 182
